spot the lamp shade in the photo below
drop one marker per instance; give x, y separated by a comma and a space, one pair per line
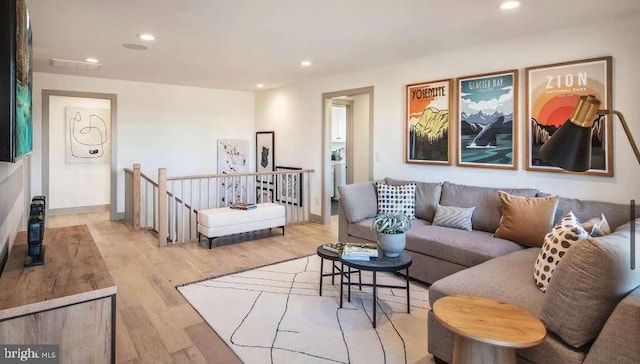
570, 146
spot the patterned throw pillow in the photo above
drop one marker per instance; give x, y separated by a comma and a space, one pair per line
397, 198
556, 243
454, 217
597, 226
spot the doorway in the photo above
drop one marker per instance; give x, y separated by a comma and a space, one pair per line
347, 143
79, 152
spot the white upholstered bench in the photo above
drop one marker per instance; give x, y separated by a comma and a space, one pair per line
214, 223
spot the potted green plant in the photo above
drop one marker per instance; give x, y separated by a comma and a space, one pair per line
391, 228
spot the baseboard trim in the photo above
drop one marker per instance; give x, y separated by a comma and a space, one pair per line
78, 210
315, 218
119, 216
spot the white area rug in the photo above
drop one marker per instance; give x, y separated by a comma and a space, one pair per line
274, 314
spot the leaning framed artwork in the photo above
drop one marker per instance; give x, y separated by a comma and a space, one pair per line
16, 127
265, 156
289, 185
552, 94
487, 127
428, 122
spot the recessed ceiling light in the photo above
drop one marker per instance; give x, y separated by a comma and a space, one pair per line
146, 36
305, 63
508, 5
260, 85
91, 60
135, 47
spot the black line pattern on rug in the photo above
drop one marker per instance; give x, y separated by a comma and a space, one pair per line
286, 307
292, 287
344, 340
384, 352
404, 345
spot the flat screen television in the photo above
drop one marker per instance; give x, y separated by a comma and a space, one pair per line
16, 129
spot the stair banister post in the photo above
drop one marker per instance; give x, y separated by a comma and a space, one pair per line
136, 196
163, 220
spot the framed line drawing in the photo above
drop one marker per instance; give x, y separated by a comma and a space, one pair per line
487, 120
289, 186
552, 94
264, 194
428, 122
265, 157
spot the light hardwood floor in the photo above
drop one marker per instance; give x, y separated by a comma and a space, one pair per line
155, 324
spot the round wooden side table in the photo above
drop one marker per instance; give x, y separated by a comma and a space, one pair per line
487, 331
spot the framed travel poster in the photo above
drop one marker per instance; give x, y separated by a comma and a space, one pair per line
552, 94
428, 122
488, 120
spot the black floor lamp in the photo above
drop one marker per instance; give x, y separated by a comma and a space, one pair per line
569, 147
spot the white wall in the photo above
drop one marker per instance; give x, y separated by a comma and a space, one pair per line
295, 112
157, 125
360, 138
74, 185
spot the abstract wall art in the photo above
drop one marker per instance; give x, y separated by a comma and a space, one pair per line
88, 135
487, 129
552, 94
233, 158
428, 122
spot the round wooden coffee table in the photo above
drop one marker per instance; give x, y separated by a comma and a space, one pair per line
487, 331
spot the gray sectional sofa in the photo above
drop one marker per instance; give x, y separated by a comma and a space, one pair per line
591, 308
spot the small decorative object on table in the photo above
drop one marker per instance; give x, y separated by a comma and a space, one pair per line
391, 228
334, 247
243, 206
359, 251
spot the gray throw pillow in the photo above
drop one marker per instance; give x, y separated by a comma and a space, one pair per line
454, 217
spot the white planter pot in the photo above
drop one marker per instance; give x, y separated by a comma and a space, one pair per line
392, 244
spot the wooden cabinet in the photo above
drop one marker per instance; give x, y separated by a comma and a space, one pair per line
338, 123
69, 301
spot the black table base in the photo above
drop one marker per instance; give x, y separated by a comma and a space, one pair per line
382, 264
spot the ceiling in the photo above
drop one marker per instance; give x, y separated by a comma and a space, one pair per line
236, 44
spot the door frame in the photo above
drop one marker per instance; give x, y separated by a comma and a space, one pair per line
46, 94
325, 216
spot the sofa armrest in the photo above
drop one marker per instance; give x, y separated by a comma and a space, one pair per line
619, 338
343, 225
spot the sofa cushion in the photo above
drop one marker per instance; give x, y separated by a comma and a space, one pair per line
358, 201
467, 248
617, 214
397, 199
556, 243
427, 197
362, 229
526, 220
454, 217
484, 199
489, 280
506, 279
591, 279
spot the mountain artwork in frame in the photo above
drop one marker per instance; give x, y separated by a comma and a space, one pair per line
428, 122
488, 120
552, 94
